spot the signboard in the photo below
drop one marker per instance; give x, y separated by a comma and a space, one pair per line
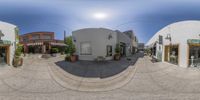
160, 40
193, 41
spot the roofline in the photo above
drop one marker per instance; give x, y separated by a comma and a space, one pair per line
38, 32
176, 22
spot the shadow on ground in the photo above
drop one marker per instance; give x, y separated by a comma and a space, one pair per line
92, 69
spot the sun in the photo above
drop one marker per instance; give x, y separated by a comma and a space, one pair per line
100, 15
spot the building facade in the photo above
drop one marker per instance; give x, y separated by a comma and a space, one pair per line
91, 43
178, 43
40, 42
134, 39
8, 41
140, 46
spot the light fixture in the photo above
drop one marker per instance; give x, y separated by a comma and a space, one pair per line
1, 34
109, 36
168, 37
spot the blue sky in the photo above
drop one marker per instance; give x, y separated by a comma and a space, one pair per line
144, 17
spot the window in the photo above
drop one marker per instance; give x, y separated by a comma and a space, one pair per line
109, 50
86, 48
35, 37
48, 37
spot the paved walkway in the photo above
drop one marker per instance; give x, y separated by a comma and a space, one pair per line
151, 81
94, 69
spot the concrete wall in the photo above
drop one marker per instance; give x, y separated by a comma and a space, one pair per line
180, 33
9, 34
98, 37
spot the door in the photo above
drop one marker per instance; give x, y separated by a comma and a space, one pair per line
3, 55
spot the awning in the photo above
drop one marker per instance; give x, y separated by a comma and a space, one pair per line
5, 42
34, 44
193, 41
57, 44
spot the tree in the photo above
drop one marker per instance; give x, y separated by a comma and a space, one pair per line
70, 49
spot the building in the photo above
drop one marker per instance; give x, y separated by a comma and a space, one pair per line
132, 35
40, 42
8, 41
178, 43
140, 46
92, 43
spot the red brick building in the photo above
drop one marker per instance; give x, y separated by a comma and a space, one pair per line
40, 42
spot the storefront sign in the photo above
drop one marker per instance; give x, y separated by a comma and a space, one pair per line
193, 41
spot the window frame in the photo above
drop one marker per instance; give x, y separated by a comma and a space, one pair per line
81, 48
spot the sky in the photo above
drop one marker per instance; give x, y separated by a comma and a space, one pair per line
144, 17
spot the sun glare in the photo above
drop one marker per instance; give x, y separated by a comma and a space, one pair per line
100, 16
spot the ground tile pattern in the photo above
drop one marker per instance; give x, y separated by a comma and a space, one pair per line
151, 81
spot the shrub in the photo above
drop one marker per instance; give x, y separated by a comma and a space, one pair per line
70, 49
54, 50
117, 48
18, 50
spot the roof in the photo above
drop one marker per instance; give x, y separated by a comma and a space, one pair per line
7, 24
153, 39
46, 32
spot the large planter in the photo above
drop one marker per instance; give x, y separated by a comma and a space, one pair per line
18, 61
73, 58
117, 57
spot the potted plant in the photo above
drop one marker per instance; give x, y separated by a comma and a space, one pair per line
70, 50
117, 52
18, 60
54, 51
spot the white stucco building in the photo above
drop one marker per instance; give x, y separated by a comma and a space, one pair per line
100, 42
8, 40
178, 43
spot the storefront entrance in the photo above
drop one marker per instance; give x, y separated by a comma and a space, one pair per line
172, 54
4, 55
194, 55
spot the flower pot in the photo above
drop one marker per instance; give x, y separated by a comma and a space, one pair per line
117, 57
18, 61
73, 58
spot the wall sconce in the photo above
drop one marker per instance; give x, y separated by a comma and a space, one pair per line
169, 37
110, 36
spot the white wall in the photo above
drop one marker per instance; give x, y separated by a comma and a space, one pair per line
9, 34
98, 37
180, 33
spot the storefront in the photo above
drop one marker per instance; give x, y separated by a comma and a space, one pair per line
172, 54
194, 52
8, 41
181, 43
5, 52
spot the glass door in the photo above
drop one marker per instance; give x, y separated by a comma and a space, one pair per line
3, 55
194, 56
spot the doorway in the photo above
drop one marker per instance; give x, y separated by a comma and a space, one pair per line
194, 55
4, 55
172, 54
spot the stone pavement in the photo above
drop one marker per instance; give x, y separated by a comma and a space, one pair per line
151, 81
